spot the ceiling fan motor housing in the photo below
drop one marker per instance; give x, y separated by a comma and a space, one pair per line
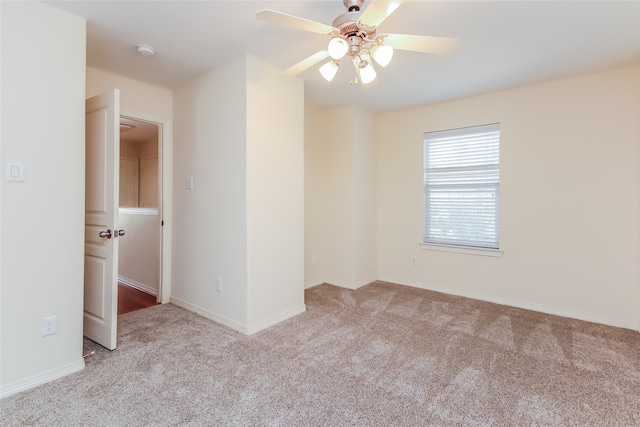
353, 4
355, 35
347, 23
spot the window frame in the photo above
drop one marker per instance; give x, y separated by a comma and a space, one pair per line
468, 172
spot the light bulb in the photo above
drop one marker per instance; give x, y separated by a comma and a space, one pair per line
329, 70
337, 48
367, 73
382, 54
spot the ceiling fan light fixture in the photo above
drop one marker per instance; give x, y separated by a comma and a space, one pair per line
366, 71
338, 48
382, 54
329, 70
354, 34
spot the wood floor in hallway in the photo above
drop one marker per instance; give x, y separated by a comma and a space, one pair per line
132, 299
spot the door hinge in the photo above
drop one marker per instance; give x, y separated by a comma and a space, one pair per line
162, 223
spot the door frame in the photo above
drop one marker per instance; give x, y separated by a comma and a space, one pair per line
165, 156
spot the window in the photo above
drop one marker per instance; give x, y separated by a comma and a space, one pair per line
462, 186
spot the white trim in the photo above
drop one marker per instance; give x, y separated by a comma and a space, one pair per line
139, 286
461, 249
540, 308
165, 154
208, 315
41, 378
317, 284
139, 211
311, 285
247, 330
352, 286
276, 319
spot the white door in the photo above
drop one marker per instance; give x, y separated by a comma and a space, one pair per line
101, 218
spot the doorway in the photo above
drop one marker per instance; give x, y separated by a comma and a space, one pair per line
102, 227
140, 213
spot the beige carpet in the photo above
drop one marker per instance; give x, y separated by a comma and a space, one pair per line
379, 356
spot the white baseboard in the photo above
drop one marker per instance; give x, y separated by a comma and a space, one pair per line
311, 285
42, 378
244, 329
514, 303
137, 285
208, 315
353, 285
276, 319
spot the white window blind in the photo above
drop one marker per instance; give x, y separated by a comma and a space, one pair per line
462, 186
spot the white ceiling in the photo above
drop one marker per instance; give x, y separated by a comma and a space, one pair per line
501, 43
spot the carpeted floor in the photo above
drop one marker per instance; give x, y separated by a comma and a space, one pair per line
379, 356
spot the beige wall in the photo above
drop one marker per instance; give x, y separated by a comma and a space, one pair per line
139, 253
146, 180
42, 224
340, 197
570, 183
275, 194
210, 220
135, 96
316, 194
363, 198
242, 222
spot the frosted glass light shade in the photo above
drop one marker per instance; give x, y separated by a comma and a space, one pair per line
329, 70
337, 48
367, 74
382, 54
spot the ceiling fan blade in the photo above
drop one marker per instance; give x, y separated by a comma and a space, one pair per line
378, 11
294, 21
424, 44
306, 63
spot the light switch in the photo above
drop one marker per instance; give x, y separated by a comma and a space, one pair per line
15, 171
189, 183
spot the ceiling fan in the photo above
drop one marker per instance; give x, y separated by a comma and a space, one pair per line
354, 35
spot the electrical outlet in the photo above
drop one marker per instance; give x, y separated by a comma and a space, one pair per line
218, 284
49, 325
414, 260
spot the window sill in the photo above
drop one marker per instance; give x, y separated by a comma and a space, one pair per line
462, 249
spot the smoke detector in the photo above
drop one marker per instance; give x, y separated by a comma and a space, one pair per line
146, 50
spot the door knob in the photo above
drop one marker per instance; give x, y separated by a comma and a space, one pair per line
117, 233
106, 234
